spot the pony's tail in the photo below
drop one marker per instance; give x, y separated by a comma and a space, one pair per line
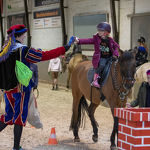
83, 106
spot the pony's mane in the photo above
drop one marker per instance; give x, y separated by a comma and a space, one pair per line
126, 56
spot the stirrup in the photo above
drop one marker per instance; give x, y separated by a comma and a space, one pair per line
92, 84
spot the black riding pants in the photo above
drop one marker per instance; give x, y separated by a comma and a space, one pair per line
101, 66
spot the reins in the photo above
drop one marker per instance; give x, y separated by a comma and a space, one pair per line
117, 87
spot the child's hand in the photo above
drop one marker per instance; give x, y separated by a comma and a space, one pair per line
76, 40
114, 58
128, 105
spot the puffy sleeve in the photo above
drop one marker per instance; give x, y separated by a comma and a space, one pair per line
34, 55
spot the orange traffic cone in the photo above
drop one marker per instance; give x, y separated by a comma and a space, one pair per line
32, 126
52, 139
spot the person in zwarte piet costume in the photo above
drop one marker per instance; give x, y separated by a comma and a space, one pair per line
16, 96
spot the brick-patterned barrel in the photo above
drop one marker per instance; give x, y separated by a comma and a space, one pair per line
133, 128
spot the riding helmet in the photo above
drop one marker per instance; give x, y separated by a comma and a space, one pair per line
104, 26
141, 40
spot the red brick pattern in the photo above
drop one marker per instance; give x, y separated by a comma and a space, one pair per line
134, 128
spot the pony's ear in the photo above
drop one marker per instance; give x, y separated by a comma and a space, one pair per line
120, 52
134, 51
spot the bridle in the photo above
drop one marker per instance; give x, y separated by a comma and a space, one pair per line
124, 92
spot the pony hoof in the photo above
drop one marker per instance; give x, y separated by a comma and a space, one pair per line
77, 139
95, 138
113, 147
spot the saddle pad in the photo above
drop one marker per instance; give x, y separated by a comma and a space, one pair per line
104, 75
90, 74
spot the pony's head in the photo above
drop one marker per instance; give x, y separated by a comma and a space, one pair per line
64, 62
77, 48
128, 67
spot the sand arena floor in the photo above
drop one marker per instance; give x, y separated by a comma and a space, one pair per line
55, 110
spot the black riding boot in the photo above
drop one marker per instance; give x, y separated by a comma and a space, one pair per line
17, 136
2, 126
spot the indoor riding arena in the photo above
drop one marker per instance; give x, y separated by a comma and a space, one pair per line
112, 34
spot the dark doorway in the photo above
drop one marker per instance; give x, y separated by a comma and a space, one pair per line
140, 26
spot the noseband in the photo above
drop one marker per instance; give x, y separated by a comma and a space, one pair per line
126, 79
117, 87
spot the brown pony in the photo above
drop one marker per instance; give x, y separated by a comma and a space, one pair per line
116, 90
76, 58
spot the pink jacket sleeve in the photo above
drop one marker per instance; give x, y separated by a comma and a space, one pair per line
116, 47
86, 41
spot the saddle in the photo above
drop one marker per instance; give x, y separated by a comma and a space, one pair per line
103, 75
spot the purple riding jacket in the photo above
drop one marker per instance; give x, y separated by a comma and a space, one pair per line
96, 40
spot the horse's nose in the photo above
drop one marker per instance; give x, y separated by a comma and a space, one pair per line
130, 84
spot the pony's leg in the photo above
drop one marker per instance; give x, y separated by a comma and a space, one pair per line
75, 120
92, 109
114, 131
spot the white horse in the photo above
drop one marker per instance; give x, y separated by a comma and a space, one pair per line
140, 74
